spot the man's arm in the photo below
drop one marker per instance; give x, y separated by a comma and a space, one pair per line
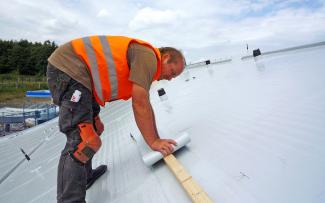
145, 119
154, 120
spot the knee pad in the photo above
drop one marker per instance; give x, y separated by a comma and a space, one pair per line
89, 145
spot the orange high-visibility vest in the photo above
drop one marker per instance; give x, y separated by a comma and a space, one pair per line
106, 60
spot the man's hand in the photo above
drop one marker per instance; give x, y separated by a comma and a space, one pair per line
99, 126
164, 146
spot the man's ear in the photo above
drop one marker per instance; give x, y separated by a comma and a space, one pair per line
165, 58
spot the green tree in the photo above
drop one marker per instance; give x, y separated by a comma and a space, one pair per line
5, 46
25, 57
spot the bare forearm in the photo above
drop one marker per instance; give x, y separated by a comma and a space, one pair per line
154, 120
145, 120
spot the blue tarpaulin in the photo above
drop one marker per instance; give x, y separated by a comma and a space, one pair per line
39, 93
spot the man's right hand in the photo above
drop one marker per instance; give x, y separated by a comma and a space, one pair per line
99, 126
164, 146
145, 119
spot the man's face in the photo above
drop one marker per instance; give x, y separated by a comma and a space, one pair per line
170, 70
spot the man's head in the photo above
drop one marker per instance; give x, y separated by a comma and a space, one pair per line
172, 63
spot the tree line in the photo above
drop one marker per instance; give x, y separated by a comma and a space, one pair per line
24, 57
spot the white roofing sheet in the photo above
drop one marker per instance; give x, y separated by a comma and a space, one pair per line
257, 130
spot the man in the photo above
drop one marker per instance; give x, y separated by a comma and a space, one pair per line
87, 72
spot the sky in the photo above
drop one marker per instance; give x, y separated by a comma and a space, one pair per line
202, 29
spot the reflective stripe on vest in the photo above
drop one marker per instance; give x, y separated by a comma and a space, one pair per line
95, 68
111, 67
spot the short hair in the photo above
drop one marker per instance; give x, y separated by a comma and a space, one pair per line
175, 54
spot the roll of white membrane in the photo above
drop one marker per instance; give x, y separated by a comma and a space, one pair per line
152, 157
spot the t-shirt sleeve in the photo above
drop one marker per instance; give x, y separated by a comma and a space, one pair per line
143, 65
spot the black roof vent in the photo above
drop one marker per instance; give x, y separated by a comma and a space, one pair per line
256, 52
161, 92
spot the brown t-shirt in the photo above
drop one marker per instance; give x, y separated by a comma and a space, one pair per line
141, 59
143, 65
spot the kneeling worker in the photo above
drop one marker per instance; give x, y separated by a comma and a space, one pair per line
87, 72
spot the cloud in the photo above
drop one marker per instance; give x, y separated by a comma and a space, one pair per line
201, 28
147, 18
103, 13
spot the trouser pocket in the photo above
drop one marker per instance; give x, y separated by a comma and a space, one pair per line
71, 115
74, 113
65, 118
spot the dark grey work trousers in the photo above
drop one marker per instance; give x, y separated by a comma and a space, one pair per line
72, 176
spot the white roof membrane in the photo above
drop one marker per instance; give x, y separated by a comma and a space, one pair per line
257, 135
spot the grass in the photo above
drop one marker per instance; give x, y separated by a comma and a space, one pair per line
14, 76
14, 86
7, 96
